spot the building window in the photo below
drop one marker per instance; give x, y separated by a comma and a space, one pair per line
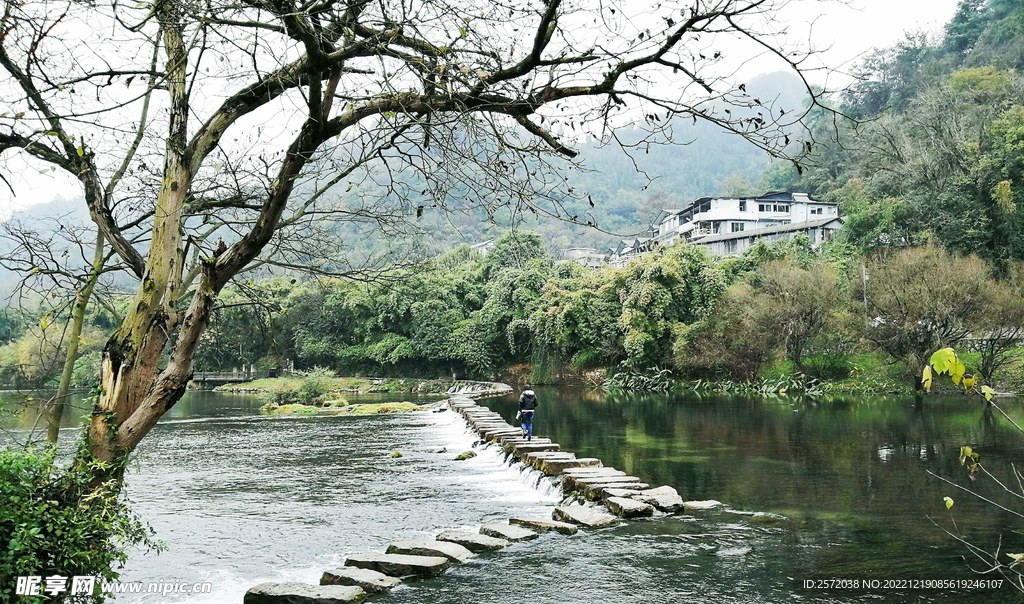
730, 246
743, 205
705, 207
737, 227
761, 207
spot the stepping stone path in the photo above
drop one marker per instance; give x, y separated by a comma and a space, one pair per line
376, 573
371, 581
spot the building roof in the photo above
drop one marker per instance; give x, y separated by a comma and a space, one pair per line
782, 228
769, 196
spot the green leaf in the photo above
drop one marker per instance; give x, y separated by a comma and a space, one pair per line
957, 371
988, 392
462, 32
949, 502
80, 151
1016, 558
965, 452
943, 360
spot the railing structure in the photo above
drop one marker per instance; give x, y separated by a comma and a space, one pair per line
236, 376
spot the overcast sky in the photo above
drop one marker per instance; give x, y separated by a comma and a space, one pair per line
846, 31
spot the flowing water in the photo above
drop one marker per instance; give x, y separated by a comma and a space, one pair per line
240, 498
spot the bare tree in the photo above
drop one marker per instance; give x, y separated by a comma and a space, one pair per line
273, 114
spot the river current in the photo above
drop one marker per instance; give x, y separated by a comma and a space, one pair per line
238, 498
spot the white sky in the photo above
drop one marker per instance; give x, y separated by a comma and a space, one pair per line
842, 31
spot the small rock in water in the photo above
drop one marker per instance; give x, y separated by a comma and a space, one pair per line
708, 504
474, 542
302, 593
370, 581
396, 455
465, 456
441, 450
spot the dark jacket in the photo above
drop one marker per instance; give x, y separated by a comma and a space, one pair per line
527, 401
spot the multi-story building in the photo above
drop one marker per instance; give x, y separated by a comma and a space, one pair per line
729, 225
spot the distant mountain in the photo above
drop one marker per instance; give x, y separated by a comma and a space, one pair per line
624, 200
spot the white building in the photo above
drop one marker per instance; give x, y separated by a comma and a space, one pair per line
729, 225
587, 257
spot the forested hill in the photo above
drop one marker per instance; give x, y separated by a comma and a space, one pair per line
939, 150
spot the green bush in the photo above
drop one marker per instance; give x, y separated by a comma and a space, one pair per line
315, 386
55, 522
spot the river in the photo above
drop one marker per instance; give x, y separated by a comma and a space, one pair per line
239, 498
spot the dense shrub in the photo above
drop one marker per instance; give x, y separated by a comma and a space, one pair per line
55, 521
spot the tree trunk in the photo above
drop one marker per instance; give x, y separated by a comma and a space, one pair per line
131, 358
56, 411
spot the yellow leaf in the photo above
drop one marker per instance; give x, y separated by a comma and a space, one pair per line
1016, 558
988, 392
957, 371
969, 383
965, 452
949, 502
44, 322
80, 151
943, 360
926, 378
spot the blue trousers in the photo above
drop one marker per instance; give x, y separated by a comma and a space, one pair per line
526, 422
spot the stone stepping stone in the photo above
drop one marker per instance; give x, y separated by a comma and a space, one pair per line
474, 542
302, 593
618, 492
593, 471
542, 455
699, 506
577, 483
629, 508
422, 547
596, 491
554, 467
540, 524
507, 532
370, 581
399, 565
583, 516
516, 439
665, 498
532, 447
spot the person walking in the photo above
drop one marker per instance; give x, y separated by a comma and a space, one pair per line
527, 405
